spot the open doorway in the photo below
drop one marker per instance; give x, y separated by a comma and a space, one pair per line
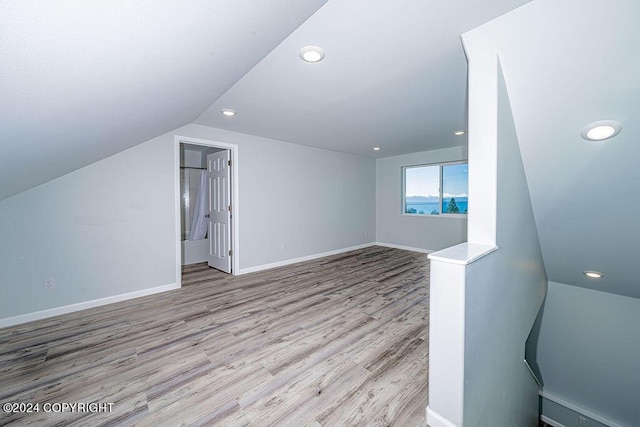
206, 204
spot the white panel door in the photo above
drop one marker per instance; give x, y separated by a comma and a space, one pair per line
219, 174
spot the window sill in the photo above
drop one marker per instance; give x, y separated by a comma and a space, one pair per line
450, 216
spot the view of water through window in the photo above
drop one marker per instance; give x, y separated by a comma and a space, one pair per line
423, 194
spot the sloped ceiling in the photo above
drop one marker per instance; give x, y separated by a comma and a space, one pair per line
568, 63
394, 77
82, 80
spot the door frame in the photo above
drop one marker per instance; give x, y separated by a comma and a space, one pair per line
234, 245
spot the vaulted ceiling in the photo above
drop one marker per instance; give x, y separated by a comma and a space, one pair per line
394, 77
567, 64
84, 80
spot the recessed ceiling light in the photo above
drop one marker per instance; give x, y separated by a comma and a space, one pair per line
376, 148
312, 54
599, 131
458, 132
593, 274
228, 112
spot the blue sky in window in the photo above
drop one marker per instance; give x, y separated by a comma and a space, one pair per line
424, 181
455, 181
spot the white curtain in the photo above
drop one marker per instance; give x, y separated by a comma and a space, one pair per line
199, 223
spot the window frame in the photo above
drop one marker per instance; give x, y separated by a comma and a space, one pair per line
403, 191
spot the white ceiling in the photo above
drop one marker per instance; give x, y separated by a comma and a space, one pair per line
82, 80
394, 76
568, 63
85, 80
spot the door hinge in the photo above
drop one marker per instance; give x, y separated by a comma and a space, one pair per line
230, 252
229, 208
229, 162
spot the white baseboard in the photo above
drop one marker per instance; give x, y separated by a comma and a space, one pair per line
301, 259
406, 248
56, 311
576, 408
434, 419
551, 422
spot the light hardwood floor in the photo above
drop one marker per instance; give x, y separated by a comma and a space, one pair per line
338, 341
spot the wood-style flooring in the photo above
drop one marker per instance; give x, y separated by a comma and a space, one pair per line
339, 341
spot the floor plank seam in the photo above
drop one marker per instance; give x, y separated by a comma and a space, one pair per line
340, 340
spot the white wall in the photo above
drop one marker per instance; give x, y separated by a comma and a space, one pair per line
191, 158
588, 352
504, 294
430, 232
106, 229
109, 228
502, 286
311, 200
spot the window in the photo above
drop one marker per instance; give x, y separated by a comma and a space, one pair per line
439, 189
